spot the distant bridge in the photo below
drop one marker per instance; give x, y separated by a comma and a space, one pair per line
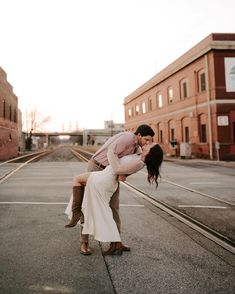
85, 137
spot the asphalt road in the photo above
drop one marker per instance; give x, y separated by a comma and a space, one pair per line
38, 255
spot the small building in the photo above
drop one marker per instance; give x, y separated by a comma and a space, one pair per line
191, 103
100, 136
9, 133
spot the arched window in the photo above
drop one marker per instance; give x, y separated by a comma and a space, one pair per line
184, 89
170, 95
143, 107
202, 81
137, 109
159, 100
4, 108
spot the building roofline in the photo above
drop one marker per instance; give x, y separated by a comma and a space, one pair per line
214, 41
3, 78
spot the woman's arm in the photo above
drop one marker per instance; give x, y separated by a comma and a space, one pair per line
125, 168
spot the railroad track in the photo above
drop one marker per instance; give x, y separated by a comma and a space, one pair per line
209, 232
9, 167
205, 230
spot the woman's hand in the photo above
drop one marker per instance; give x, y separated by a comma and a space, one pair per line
122, 178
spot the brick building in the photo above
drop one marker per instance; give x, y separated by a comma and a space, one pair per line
191, 103
9, 134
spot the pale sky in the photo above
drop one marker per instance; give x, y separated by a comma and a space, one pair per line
76, 60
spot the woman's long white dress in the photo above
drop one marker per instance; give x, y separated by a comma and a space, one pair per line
98, 217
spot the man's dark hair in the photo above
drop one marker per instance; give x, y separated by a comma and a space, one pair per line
144, 130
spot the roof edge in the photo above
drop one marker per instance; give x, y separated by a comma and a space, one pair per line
218, 41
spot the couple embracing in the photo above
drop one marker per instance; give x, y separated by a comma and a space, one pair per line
95, 199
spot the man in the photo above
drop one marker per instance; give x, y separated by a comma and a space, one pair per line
119, 145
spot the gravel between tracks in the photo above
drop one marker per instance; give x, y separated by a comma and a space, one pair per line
61, 154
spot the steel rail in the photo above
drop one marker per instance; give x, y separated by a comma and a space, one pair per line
178, 185
83, 151
38, 155
10, 173
206, 231
195, 191
21, 157
78, 155
198, 192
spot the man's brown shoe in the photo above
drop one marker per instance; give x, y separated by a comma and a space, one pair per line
110, 250
125, 247
116, 248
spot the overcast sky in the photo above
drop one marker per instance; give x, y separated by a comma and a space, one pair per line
76, 60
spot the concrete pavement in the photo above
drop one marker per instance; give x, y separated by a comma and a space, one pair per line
38, 255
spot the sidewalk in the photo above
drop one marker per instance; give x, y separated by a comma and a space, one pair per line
201, 161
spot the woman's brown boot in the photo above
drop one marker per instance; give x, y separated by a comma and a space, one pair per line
78, 192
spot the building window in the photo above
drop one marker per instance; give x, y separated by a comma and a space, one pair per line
172, 134
143, 107
234, 132
15, 116
203, 133
170, 95
186, 134
161, 136
129, 113
4, 109
10, 113
184, 89
185, 94
202, 81
150, 104
159, 100
137, 110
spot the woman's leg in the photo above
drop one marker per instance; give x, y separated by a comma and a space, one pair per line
78, 192
81, 179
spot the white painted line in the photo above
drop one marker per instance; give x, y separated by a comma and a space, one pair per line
184, 220
40, 203
198, 192
203, 206
194, 191
204, 183
60, 203
132, 205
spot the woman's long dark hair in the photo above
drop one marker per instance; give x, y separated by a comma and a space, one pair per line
153, 161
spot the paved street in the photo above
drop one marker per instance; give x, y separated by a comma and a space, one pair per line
38, 255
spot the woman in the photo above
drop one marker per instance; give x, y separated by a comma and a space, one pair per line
100, 186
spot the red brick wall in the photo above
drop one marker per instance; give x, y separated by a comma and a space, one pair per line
192, 111
8, 142
8, 119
